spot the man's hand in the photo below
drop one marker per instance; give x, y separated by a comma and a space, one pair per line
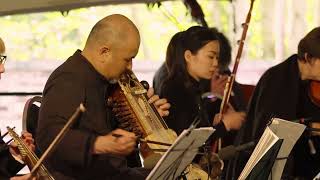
218, 84
27, 139
118, 142
25, 177
161, 105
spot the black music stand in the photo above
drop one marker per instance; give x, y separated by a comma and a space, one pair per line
180, 154
269, 156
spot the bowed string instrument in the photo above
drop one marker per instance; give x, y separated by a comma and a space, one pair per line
314, 92
228, 88
314, 95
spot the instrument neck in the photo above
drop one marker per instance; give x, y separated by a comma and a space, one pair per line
29, 157
231, 79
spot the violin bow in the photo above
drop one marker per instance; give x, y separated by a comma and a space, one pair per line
59, 137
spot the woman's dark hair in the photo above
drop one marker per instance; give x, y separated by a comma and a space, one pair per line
174, 50
192, 39
225, 51
310, 44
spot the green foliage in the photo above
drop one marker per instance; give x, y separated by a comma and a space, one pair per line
52, 36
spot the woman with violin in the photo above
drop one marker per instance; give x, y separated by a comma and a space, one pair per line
289, 90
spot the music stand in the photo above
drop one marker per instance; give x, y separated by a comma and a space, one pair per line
269, 156
180, 154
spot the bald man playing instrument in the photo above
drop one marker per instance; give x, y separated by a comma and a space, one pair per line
89, 151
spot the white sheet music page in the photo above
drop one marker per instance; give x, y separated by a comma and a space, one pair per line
267, 140
290, 132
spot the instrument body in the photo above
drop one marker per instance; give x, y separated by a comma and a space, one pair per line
29, 156
314, 92
129, 103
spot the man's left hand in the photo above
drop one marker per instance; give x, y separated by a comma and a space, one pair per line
161, 105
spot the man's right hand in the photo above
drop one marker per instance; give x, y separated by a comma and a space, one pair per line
118, 142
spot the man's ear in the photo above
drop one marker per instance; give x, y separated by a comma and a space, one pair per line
308, 59
305, 56
104, 52
188, 55
304, 59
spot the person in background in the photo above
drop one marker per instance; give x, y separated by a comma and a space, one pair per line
218, 80
10, 159
192, 59
283, 92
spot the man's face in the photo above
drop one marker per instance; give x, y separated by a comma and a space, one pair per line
120, 58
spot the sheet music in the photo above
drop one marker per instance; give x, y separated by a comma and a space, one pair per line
317, 177
267, 140
290, 132
180, 154
278, 129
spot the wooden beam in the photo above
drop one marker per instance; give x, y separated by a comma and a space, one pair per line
11, 7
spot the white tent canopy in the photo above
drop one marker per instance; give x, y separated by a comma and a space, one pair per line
10, 7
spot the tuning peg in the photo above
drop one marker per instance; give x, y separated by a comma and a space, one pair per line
145, 84
245, 25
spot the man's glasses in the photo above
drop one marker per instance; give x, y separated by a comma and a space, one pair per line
3, 59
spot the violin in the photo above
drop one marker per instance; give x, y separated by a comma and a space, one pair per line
314, 92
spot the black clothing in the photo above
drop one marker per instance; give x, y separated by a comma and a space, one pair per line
74, 82
9, 167
279, 93
237, 100
305, 164
184, 95
187, 105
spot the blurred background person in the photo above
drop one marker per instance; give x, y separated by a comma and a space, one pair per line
10, 159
